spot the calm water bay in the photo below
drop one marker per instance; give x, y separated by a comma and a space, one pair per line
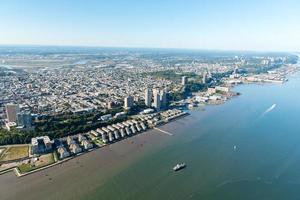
248, 148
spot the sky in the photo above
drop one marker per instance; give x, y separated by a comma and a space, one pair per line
262, 25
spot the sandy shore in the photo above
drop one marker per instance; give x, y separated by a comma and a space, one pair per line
82, 174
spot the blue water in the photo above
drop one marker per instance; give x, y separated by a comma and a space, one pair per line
248, 148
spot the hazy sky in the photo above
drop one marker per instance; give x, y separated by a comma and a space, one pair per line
202, 24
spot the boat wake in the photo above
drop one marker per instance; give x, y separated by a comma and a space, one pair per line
268, 110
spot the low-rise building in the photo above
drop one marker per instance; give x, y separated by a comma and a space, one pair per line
211, 91
222, 89
63, 153
75, 148
41, 145
70, 140
106, 117
86, 144
81, 137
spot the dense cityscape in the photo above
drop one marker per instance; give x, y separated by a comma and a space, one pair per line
65, 104
149, 100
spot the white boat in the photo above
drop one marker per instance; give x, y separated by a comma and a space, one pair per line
179, 166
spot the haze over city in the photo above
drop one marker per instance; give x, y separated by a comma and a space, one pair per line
267, 25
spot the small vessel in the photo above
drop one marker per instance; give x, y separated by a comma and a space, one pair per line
179, 166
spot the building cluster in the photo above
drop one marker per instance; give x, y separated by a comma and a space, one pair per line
73, 145
140, 123
120, 130
16, 117
77, 84
156, 98
44, 152
277, 75
54, 91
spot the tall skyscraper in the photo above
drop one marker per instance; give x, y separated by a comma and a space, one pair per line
24, 119
11, 112
236, 70
184, 80
156, 101
128, 102
204, 77
148, 97
163, 98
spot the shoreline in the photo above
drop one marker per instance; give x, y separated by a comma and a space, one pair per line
19, 174
115, 158
157, 128
100, 164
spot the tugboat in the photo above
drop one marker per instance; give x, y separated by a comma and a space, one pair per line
179, 167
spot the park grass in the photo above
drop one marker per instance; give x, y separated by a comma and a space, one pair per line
14, 153
26, 167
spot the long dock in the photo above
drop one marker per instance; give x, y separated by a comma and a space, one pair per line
163, 131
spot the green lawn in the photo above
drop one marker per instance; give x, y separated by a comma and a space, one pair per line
23, 168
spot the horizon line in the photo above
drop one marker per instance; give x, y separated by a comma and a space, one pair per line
141, 47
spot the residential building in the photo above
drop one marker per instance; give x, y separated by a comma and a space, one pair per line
70, 140
63, 153
81, 138
184, 80
110, 104
148, 97
204, 77
75, 148
128, 102
211, 91
163, 99
156, 97
86, 144
222, 89
11, 112
106, 117
41, 145
24, 119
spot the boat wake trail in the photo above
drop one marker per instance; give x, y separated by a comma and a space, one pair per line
268, 110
